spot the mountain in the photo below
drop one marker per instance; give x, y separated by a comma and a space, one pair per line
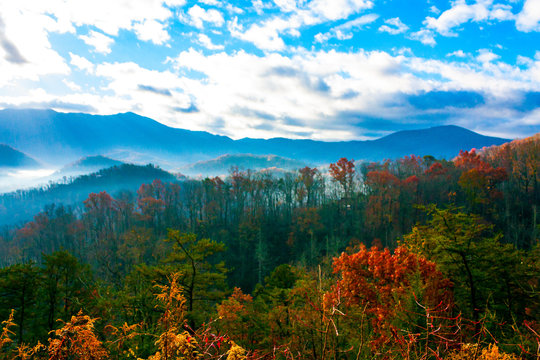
223, 164
14, 159
59, 137
22, 205
87, 165
55, 138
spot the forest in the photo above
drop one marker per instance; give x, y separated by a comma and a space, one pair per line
414, 258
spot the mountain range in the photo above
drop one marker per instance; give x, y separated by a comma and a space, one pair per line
57, 139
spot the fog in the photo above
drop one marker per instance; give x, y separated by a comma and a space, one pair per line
11, 180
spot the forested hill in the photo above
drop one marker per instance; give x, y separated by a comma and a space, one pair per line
22, 205
87, 165
223, 164
58, 138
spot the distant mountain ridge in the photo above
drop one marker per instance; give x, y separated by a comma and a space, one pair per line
87, 165
222, 164
58, 138
12, 158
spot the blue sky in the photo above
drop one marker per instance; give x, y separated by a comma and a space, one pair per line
320, 69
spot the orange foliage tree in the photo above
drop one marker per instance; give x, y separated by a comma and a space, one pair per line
405, 298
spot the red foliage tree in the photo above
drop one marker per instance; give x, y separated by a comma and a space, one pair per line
389, 287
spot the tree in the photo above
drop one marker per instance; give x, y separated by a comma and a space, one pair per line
18, 291
67, 286
389, 288
202, 275
76, 340
484, 270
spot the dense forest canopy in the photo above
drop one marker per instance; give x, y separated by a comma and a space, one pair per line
415, 258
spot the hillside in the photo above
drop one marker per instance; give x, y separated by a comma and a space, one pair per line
14, 159
222, 164
87, 165
22, 205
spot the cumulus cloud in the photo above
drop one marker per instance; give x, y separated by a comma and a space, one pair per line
81, 63
461, 13
345, 31
458, 14
394, 26
267, 35
198, 16
425, 36
486, 56
457, 53
25, 46
100, 42
529, 18
12, 54
337, 9
205, 41
151, 30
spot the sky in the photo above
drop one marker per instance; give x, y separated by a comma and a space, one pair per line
317, 69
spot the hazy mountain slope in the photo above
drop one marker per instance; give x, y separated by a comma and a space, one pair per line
87, 165
22, 205
441, 141
222, 164
11, 158
59, 137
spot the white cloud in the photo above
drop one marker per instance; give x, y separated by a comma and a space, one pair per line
259, 6
35, 19
434, 10
198, 16
27, 34
297, 94
210, 2
151, 30
458, 14
286, 5
396, 26
425, 36
529, 18
309, 87
81, 63
501, 12
457, 53
486, 56
337, 9
110, 16
265, 36
461, 13
100, 42
205, 41
345, 31
71, 85
298, 13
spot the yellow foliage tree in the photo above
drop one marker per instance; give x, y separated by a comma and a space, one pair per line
76, 340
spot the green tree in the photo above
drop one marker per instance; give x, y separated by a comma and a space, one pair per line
67, 286
18, 291
485, 271
202, 274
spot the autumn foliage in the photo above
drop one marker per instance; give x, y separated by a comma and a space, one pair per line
412, 258
390, 289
